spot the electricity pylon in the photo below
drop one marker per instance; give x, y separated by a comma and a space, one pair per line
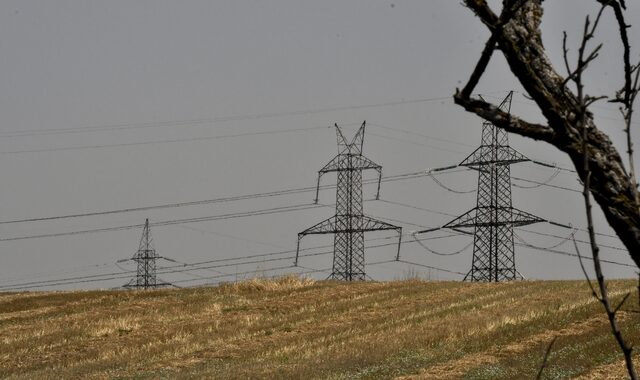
349, 223
494, 217
145, 257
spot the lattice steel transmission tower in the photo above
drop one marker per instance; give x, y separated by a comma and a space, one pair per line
494, 217
145, 258
349, 223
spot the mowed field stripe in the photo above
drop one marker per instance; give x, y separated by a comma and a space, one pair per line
298, 328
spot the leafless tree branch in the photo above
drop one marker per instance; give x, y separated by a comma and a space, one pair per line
546, 358
595, 249
518, 38
571, 128
584, 271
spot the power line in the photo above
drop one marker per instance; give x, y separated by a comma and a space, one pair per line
126, 271
539, 233
416, 207
228, 262
545, 184
577, 240
168, 141
274, 210
563, 253
246, 240
116, 275
49, 273
415, 143
440, 253
164, 270
552, 166
452, 190
412, 133
207, 201
209, 278
432, 267
212, 120
213, 261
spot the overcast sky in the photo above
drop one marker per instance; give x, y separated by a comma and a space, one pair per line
121, 104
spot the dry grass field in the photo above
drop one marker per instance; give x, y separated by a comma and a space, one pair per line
297, 328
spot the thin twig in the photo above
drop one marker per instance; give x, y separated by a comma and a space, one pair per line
586, 275
624, 299
627, 94
595, 250
546, 358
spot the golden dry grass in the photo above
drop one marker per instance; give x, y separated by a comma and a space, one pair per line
298, 328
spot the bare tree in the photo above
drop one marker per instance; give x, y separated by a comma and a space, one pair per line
570, 126
516, 33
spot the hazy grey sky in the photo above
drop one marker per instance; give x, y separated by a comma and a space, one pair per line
124, 72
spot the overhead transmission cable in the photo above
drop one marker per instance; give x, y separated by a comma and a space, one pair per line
219, 263
275, 193
545, 184
563, 253
556, 245
430, 174
577, 240
542, 183
431, 267
438, 253
154, 142
212, 120
85, 279
274, 210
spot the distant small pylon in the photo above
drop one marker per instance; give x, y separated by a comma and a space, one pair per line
145, 257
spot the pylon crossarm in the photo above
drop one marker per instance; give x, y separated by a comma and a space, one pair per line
468, 219
484, 155
471, 157
370, 224
345, 162
521, 218
333, 165
361, 162
327, 226
474, 218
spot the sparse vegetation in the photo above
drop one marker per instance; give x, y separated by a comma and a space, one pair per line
298, 328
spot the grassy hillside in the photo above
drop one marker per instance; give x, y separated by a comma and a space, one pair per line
292, 328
